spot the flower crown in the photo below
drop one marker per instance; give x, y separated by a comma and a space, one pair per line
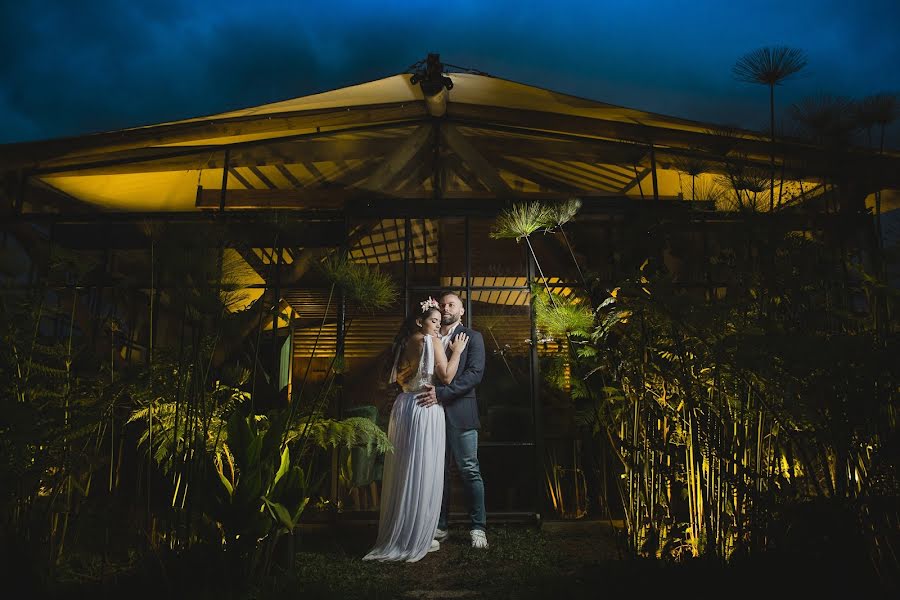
430, 303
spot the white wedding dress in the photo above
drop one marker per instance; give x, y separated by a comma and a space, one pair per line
413, 481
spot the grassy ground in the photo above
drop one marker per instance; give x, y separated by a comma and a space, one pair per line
569, 560
560, 561
519, 561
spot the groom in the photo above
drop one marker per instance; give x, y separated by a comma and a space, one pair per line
461, 409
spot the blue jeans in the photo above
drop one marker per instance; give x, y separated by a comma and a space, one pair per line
462, 445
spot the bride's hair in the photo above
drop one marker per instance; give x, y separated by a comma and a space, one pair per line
408, 328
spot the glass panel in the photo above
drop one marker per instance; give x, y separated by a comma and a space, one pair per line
68, 277
566, 478
502, 296
366, 393
684, 256
361, 387
495, 262
558, 409
437, 260
379, 242
504, 397
509, 481
437, 252
503, 317
509, 489
598, 236
555, 259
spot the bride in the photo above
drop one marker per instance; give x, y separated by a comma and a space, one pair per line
413, 481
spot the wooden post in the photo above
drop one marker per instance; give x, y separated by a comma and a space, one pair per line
19, 203
437, 179
536, 409
224, 180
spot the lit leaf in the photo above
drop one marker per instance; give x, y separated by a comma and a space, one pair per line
285, 464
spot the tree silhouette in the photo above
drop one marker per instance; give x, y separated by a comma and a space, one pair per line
770, 66
692, 167
831, 123
878, 110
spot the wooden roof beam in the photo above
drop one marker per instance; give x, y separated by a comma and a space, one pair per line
455, 166
253, 259
584, 150
549, 183
202, 129
308, 198
528, 121
400, 158
574, 174
288, 149
636, 181
478, 164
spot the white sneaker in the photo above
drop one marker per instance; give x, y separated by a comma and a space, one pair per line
441, 534
435, 546
479, 538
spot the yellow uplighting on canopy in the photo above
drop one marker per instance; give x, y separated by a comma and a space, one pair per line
497, 139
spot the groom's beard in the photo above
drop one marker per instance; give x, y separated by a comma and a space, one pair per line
447, 323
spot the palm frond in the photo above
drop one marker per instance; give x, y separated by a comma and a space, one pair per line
709, 191
522, 220
878, 109
690, 165
364, 286
564, 212
826, 118
724, 139
770, 65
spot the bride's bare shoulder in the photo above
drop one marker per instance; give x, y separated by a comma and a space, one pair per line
414, 344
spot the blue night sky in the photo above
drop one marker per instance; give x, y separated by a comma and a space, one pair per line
74, 67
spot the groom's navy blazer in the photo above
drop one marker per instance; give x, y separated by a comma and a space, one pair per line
458, 397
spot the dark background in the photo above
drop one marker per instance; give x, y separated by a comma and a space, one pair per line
71, 68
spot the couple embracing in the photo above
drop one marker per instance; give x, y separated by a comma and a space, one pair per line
437, 363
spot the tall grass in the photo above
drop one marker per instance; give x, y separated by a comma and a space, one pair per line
736, 417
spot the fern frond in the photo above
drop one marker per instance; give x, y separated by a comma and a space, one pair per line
47, 371
347, 433
561, 316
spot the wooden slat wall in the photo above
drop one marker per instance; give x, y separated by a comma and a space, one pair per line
366, 337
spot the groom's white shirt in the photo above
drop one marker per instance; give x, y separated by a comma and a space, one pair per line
445, 339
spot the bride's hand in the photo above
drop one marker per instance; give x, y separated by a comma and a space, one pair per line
459, 342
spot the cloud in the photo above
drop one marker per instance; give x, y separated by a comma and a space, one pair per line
105, 64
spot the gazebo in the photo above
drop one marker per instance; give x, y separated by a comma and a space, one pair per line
407, 174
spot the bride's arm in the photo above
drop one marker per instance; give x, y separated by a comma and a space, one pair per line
445, 368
